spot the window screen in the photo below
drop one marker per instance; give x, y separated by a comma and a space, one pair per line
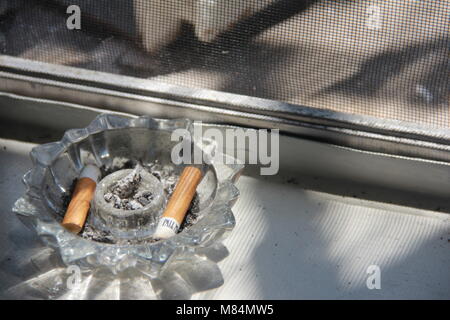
387, 58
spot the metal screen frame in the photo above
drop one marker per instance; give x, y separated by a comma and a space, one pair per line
149, 97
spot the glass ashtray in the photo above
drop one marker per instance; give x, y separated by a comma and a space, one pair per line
118, 245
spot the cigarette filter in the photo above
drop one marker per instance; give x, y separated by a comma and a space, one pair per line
179, 203
81, 199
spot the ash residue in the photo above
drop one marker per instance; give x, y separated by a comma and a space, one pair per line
91, 233
127, 186
136, 202
124, 193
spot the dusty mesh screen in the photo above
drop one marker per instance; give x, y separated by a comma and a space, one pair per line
388, 59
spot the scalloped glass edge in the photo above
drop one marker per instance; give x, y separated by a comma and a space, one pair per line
151, 259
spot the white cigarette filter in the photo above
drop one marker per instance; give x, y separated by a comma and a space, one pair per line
80, 202
90, 171
167, 227
179, 203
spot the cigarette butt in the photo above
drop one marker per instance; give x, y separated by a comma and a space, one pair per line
179, 203
80, 203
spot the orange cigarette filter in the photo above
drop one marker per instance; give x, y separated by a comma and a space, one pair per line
179, 203
80, 203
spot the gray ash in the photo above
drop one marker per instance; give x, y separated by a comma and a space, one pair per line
91, 233
128, 185
124, 195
